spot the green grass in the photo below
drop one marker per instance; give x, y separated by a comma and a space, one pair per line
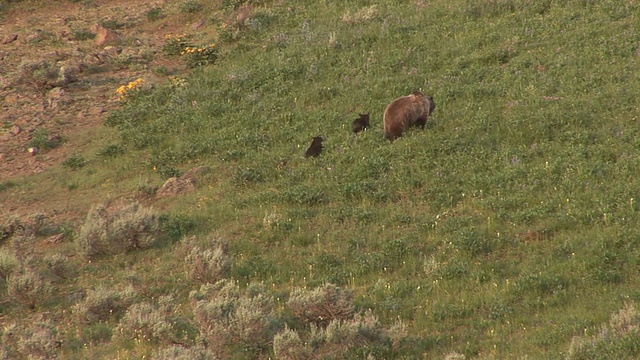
503, 230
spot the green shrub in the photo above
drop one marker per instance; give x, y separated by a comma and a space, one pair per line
7, 185
177, 226
175, 44
74, 161
41, 139
112, 150
96, 333
190, 7
112, 24
81, 35
154, 13
200, 55
117, 231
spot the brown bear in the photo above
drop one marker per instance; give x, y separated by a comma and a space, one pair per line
406, 111
360, 123
315, 148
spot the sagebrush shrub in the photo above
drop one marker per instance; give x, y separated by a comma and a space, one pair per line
40, 74
8, 264
340, 339
287, 345
102, 303
111, 232
225, 316
321, 305
148, 322
359, 331
177, 352
619, 339
58, 265
362, 15
206, 265
454, 356
37, 340
26, 287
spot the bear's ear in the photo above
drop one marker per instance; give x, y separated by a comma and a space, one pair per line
417, 92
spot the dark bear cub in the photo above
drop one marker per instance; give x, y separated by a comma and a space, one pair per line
315, 148
361, 123
406, 111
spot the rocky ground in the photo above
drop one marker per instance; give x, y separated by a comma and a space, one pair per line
60, 65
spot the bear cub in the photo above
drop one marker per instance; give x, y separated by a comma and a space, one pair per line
315, 148
360, 123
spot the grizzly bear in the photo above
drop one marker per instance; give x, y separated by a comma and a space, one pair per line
315, 148
360, 123
406, 111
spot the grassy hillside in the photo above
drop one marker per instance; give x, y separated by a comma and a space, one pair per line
503, 230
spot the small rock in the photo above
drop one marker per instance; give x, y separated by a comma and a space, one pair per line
197, 25
32, 150
76, 296
185, 183
57, 97
175, 186
53, 55
15, 130
68, 73
55, 239
10, 38
96, 110
112, 51
105, 36
11, 99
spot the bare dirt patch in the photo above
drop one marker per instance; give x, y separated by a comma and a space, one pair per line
57, 78
60, 66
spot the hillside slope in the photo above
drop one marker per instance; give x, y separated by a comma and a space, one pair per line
507, 228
